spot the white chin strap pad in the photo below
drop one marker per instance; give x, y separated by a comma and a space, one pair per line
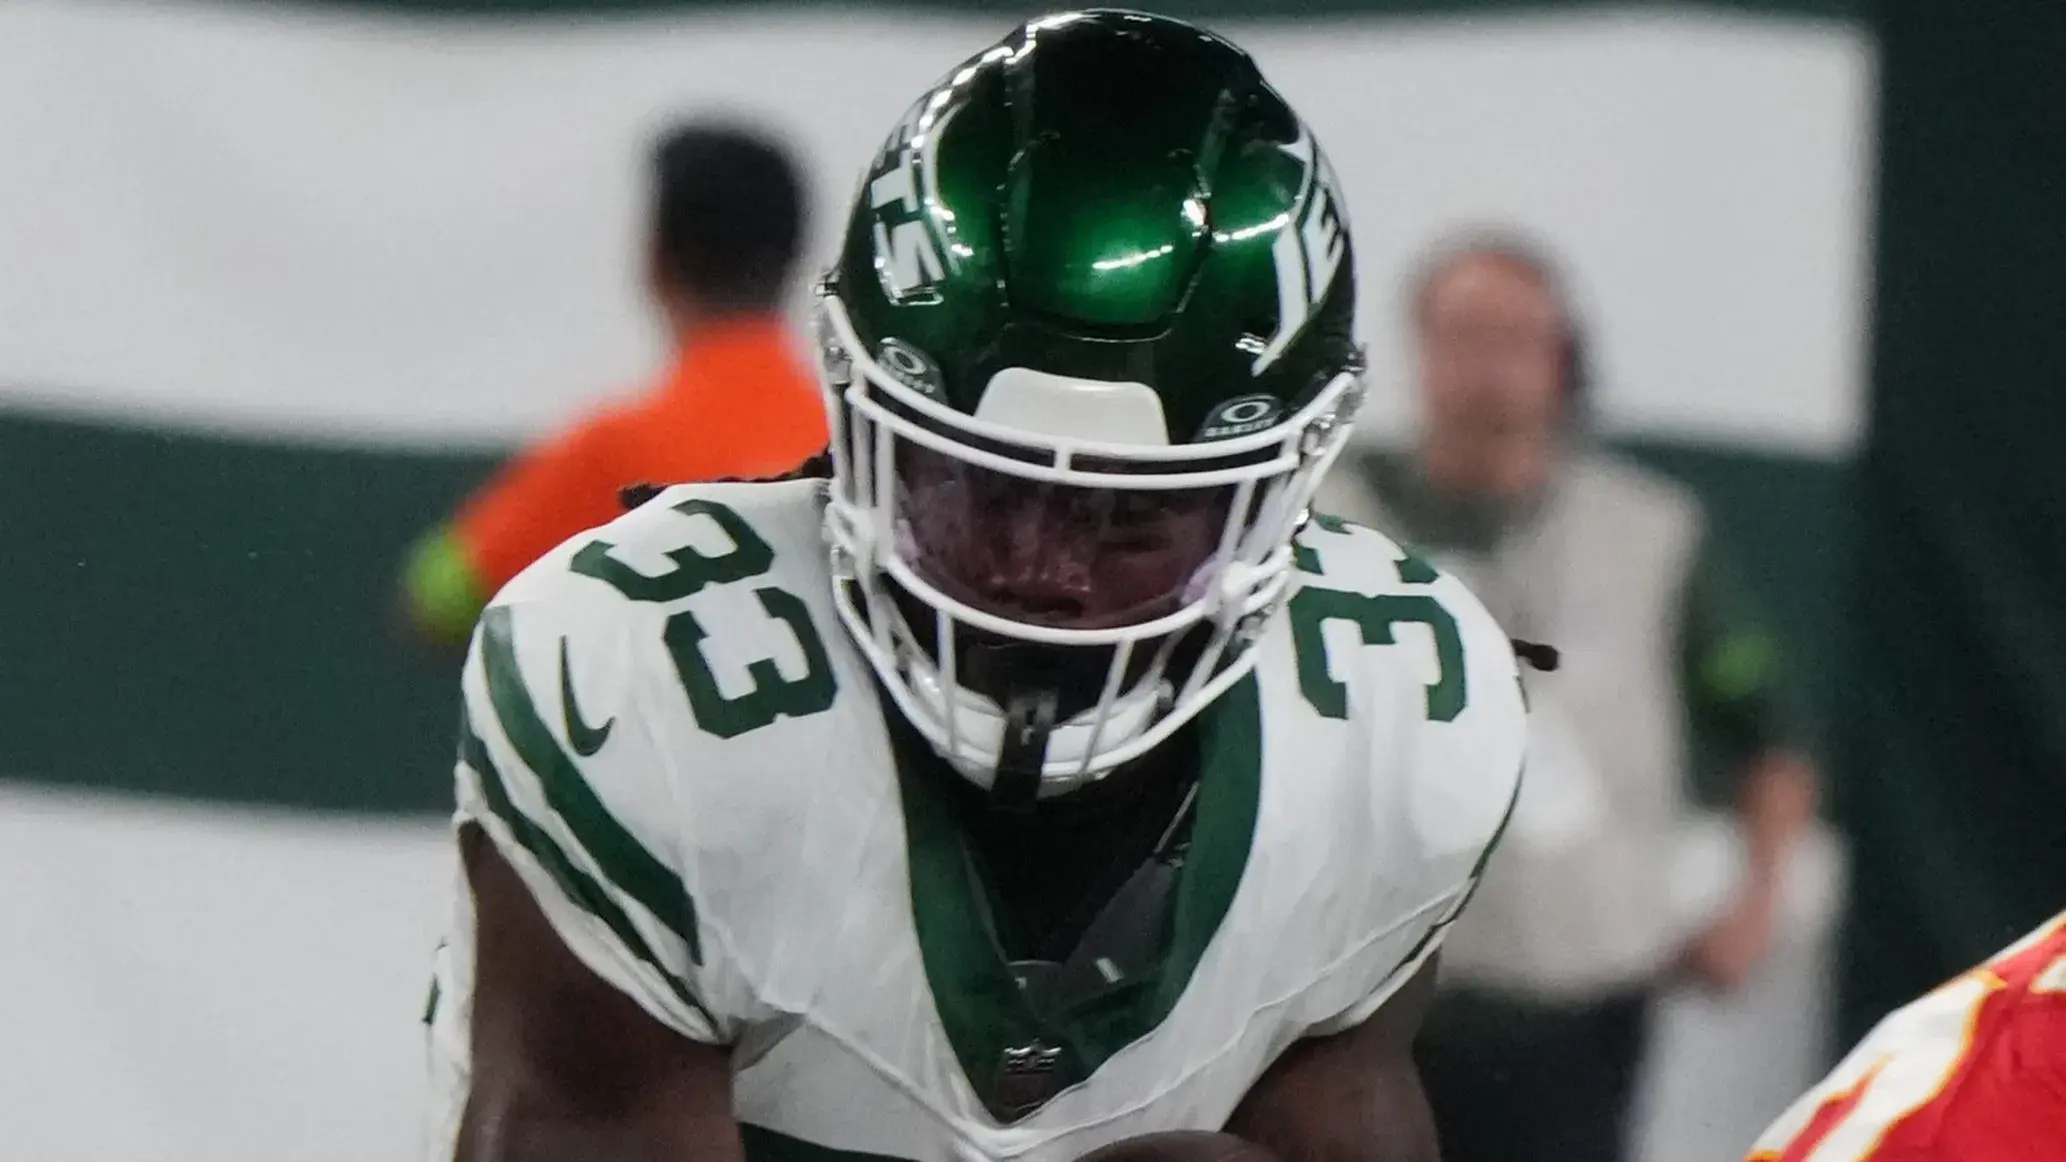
978, 729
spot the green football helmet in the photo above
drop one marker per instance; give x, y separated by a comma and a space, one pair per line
1088, 349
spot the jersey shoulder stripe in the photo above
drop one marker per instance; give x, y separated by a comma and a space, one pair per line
622, 859
581, 807
577, 885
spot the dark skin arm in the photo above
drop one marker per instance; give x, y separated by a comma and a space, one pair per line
1351, 1097
565, 1066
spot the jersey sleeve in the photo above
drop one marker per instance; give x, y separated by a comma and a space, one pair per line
558, 766
1732, 667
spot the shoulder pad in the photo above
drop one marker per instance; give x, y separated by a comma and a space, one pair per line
1358, 557
1458, 720
591, 694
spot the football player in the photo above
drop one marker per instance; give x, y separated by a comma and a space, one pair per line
1972, 1072
1044, 779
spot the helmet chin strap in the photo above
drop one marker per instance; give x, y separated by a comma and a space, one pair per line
1029, 718
1025, 684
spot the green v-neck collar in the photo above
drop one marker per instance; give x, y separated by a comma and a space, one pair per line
978, 999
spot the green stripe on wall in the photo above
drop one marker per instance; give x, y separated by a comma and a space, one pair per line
208, 617
1013, 10
197, 616
1952, 758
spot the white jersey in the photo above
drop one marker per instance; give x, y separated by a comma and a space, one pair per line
672, 741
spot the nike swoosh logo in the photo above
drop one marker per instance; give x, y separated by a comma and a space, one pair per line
585, 739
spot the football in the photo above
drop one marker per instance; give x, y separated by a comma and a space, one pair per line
1180, 1146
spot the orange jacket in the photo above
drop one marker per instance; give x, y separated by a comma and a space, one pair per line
739, 402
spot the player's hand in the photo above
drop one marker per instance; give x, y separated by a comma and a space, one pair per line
1723, 957
1780, 800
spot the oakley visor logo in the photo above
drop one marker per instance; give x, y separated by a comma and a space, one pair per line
1240, 416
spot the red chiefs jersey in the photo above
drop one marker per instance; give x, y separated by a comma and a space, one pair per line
1973, 1072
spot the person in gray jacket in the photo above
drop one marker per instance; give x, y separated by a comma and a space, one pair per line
1533, 1052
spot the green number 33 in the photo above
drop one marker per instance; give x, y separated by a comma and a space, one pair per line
772, 696
1375, 618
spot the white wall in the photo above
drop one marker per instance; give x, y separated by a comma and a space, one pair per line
424, 232
187, 984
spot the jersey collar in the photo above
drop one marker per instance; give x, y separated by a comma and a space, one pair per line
993, 1027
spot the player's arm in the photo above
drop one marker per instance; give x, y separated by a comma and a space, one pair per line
1731, 673
1352, 1096
564, 1065
599, 1013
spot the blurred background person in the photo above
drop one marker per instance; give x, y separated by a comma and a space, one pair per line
1533, 1053
726, 224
